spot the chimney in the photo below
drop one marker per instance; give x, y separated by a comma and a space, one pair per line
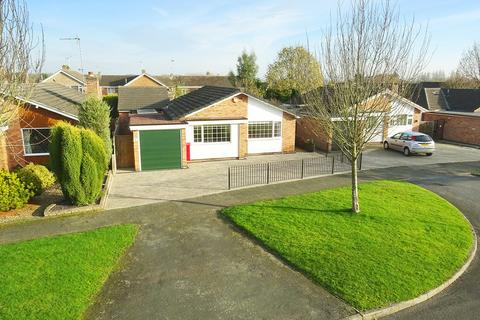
65, 67
93, 87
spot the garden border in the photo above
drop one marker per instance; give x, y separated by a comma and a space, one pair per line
93, 207
396, 307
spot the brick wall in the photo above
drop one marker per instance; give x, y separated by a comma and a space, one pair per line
288, 133
29, 117
3, 151
144, 81
417, 120
64, 80
233, 108
136, 150
243, 140
463, 129
309, 129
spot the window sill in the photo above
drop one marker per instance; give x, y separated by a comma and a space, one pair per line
265, 139
35, 154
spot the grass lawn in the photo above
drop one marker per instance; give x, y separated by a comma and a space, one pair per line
476, 172
58, 277
405, 241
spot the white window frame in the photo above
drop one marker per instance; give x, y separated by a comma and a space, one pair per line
23, 143
272, 136
202, 134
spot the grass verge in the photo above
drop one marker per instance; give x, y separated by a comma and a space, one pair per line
406, 241
58, 277
476, 172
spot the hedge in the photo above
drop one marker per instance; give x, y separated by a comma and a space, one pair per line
78, 158
37, 177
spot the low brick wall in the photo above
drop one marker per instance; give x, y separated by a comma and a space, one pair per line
457, 128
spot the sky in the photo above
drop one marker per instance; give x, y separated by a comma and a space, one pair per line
195, 37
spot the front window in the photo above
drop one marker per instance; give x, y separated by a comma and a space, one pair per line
401, 120
112, 90
264, 129
35, 141
211, 133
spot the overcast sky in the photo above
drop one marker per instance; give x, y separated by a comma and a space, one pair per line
193, 37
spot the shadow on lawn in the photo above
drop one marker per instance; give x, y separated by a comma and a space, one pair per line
251, 237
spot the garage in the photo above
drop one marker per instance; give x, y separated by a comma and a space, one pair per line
160, 149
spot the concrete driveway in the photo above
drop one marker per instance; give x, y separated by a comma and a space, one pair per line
139, 188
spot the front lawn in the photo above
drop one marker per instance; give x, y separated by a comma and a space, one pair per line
406, 241
58, 277
476, 172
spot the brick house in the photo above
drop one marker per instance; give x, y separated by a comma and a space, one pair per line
26, 137
454, 114
403, 115
68, 78
208, 123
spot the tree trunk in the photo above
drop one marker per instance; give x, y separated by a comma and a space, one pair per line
355, 202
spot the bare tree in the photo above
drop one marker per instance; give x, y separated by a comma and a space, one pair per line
21, 57
369, 54
469, 66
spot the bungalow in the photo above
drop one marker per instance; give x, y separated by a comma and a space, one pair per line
454, 114
26, 137
205, 124
403, 115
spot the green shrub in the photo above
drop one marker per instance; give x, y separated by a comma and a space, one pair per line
13, 193
78, 158
37, 177
112, 101
94, 114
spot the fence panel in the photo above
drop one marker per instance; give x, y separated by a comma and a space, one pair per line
265, 173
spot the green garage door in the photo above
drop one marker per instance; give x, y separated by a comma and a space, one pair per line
160, 149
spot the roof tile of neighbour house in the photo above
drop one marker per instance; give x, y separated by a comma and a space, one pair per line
134, 98
55, 97
195, 81
115, 80
74, 74
435, 99
462, 100
196, 100
151, 119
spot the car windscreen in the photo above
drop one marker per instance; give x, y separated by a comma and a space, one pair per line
423, 138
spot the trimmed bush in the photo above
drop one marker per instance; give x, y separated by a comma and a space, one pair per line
78, 158
13, 193
94, 114
36, 177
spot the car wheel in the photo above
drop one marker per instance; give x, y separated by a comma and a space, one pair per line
406, 152
429, 154
385, 145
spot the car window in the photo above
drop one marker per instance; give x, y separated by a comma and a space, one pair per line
397, 136
424, 138
406, 136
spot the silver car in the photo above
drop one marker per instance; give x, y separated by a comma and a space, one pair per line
410, 142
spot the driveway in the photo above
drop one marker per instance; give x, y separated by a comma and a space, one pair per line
139, 188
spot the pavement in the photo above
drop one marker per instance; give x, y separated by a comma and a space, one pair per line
202, 178
188, 263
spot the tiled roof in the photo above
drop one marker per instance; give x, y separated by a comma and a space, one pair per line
150, 119
435, 99
462, 100
196, 100
74, 74
195, 81
115, 80
134, 98
57, 97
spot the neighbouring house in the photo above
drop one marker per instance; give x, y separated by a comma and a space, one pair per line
109, 84
27, 136
404, 115
68, 78
205, 124
454, 114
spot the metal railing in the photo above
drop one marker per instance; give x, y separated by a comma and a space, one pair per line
269, 172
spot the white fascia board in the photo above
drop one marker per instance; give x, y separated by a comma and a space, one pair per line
158, 127
193, 122
39, 105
